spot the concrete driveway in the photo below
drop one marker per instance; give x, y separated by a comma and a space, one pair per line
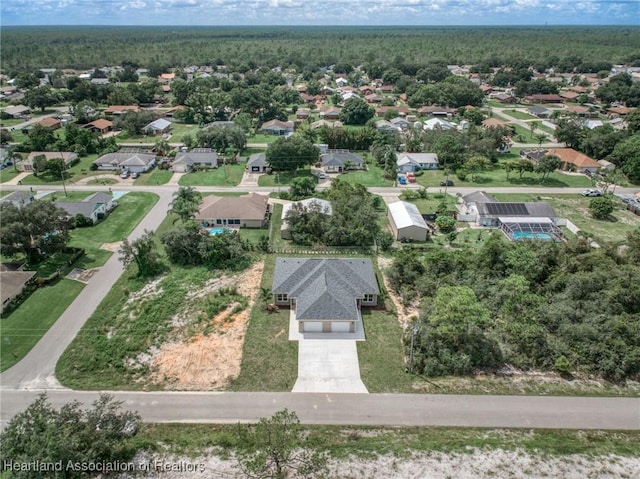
328, 366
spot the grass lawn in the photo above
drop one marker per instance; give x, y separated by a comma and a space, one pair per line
285, 177
269, 359
178, 130
229, 175
519, 115
25, 325
8, 174
9, 122
260, 138
132, 207
498, 177
576, 209
373, 176
77, 172
155, 177
253, 235
525, 133
361, 442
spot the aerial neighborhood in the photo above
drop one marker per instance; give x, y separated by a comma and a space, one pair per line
273, 221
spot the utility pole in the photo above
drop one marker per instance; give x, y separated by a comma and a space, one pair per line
414, 331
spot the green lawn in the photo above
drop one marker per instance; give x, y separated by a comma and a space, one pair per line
22, 328
77, 172
178, 130
373, 176
9, 122
260, 138
253, 235
8, 174
229, 175
285, 177
496, 176
576, 209
155, 177
519, 115
269, 359
526, 134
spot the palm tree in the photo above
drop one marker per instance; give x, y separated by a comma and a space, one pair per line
186, 202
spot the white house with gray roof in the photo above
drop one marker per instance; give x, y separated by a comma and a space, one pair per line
196, 158
325, 294
134, 162
337, 161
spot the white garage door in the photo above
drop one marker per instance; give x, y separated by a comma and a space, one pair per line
340, 326
312, 326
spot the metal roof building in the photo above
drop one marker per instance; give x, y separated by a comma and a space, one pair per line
407, 222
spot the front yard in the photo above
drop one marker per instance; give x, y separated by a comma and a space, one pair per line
225, 175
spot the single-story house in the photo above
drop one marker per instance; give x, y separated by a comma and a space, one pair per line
373, 98
406, 221
533, 155
385, 125
337, 161
120, 109
196, 158
330, 112
18, 198
411, 162
100, 125
277, 127
16, 111
325, 294
503, 97
27, 165
591, 124
257, 163
544, 98
572, 159
400, 122
11, 285
222, 123
158, 127
251, 211
92, 207
310, 204
606, 165
303, 113
134, 162
485, 210
616, 111
330, 124
401, 110
439, 124
50, 122
437, 111
539, 111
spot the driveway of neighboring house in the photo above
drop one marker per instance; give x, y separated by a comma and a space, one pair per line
327, 362
249, 179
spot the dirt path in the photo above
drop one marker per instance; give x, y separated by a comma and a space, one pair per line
404, 312
208, 361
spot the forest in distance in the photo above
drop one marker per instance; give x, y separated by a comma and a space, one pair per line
83, 47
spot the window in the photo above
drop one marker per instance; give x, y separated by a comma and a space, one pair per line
281, 298
368, 298
218, 222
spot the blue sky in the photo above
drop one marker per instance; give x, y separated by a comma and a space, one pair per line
319, 12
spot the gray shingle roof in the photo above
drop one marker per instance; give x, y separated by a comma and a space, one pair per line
338, 158
325, 288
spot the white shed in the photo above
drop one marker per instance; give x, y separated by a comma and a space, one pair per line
407, 222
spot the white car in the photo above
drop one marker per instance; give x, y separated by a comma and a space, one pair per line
322, 175
591, 192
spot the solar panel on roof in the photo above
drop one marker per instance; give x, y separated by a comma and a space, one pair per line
507, 209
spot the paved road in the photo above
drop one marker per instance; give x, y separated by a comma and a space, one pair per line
364, 409
21, 384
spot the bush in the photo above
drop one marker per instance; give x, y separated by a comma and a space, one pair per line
81, 221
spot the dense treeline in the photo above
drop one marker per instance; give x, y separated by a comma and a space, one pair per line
307, 48
533, 305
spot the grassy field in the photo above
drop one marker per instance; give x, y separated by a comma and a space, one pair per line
42, 308
260, 138
519, 115
22, 328
8, 174
496, 176
373, 176
155, 177
342, 442
229, 175
285, 177
576, 209
269, 359
178, 130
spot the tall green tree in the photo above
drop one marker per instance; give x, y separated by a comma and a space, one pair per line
547, 165
289, 154
41, 97
143, 252
185, 203
601, 207
276, 448
36, 230
356, 111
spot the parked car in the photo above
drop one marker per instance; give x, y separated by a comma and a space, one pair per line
135, 175
591, 192
411, 178
402, 180
446, 183
322, 175
124, 175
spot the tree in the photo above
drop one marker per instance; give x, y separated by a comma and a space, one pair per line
601, 207
289, 154
569, 131
221, 138
476, 164
276, 448
5, 136
303, 187
446, 224
40, 138
71, 435
522, 166
626, 155
134, 121
40, 97
547, 165
183, 245
36, 230
356, 112
186, 202
143, 252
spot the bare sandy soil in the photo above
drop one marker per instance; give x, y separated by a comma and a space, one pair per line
476, 464
209, 361
111, 246
404, 311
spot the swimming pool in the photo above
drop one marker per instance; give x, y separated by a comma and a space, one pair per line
521, 235
217, 231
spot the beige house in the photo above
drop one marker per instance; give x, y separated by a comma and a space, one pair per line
27, 165
406, 222
11, 285
251, 211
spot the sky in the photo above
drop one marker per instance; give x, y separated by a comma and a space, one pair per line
319, 12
